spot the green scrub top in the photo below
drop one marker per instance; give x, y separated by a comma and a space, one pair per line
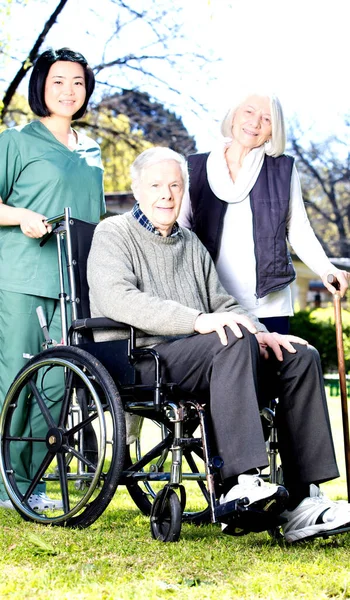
39, 173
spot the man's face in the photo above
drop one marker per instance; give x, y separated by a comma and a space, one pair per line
160, 194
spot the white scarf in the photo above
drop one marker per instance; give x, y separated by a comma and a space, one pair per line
219, 177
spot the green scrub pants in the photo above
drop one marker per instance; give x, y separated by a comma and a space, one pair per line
20, 333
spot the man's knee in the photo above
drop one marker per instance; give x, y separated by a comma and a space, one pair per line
305, 355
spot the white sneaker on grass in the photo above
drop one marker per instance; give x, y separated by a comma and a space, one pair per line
315, 515
40, 502
260, 494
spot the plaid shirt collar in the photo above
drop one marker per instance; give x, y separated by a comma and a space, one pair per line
146, 223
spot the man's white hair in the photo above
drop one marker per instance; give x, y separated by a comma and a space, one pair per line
153, 156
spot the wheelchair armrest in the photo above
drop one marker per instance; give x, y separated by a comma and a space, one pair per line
98, 323
134, 353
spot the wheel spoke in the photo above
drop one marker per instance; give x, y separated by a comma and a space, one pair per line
44, 409
39, 474
80, 457
68, 390
62, 471
81, 425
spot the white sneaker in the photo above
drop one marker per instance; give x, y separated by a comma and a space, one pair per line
6, 504
315, 515
260, 494
41, 502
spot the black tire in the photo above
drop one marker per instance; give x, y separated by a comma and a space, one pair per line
144, 493
66, 427
166, 516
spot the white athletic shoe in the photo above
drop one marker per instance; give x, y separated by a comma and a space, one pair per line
315, 515
260, 494
40, 502
6, 504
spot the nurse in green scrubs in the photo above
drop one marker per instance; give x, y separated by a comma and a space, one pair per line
44, 167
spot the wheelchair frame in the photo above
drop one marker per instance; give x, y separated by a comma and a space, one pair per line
92, 407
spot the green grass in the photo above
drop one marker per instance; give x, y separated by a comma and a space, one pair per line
117, 558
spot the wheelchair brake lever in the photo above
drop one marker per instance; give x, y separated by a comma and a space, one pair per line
43, 324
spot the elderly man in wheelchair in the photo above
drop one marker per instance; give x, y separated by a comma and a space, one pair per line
171, 347
146, 271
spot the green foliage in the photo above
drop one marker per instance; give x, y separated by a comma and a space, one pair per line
318, 328
18, 114
119, 146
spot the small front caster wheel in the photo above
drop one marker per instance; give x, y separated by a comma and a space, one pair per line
166, 516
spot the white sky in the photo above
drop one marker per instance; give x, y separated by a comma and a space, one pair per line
299, 49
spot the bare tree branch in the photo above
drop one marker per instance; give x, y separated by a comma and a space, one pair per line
28, 62
325, 179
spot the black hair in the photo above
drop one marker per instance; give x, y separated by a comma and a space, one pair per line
36, 95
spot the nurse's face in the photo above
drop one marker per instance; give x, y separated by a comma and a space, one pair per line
65, 90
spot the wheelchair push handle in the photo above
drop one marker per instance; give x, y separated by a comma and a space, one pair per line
56, 221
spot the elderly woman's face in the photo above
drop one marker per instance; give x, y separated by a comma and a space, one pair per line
251, 125
160, 193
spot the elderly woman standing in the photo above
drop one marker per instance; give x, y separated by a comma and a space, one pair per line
245, 203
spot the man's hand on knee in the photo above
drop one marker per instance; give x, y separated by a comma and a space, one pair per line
277, 341
209, 322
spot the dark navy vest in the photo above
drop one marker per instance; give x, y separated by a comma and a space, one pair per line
269, 199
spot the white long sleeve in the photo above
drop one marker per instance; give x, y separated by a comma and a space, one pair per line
300, 233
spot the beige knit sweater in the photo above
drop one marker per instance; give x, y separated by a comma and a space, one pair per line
157, 284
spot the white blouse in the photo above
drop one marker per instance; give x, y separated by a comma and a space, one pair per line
236, 259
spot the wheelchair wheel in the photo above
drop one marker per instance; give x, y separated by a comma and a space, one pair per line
152, 451
166, 516
64, 417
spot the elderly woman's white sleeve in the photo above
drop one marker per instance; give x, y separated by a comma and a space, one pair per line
185, 218
300, 233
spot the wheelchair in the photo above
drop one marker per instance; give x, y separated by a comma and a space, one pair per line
79, 395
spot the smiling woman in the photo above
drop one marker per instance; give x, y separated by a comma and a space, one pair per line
245, 204
65, 94
45, 166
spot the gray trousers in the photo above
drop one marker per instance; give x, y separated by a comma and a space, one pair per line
234, 380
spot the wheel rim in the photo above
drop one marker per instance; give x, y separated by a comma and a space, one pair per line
63, 450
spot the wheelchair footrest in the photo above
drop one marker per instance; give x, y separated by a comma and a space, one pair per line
241, 518
224, 512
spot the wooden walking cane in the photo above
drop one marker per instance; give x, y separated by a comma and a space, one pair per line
342, 377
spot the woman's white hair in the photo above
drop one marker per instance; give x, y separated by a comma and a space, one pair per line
277, 145
153, 156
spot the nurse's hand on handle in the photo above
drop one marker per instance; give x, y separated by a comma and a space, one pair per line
33, 224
